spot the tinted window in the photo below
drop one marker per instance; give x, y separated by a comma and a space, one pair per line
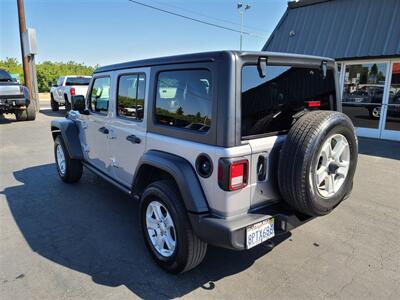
130, 102
269, 103
100, 95
184, 99
77, 81
5, 76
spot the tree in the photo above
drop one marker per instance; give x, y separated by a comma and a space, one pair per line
47, 71
179, 111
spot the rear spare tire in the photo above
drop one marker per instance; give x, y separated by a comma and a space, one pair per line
317, 162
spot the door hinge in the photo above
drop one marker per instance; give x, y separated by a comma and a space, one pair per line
85, 148
114, 162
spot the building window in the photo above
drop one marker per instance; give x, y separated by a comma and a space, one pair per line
392, 121
363, 93
184, 99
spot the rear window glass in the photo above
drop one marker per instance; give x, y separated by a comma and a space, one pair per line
77, 81
268, 104
184, 99
5, 76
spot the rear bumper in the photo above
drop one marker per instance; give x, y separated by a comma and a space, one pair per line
10, 103
231, 233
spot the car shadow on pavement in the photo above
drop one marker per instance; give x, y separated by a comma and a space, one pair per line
48, 112
92, 227
381, 148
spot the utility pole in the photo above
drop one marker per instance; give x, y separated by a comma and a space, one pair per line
28, 60
242, 9
25, 60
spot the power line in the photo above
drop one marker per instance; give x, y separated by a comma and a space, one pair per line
213, 18
194, 19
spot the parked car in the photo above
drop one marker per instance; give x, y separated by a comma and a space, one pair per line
61, 93
370, 98
14, 98
232, 149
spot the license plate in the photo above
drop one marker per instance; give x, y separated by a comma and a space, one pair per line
260, 232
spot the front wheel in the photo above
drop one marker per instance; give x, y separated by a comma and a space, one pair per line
69, 170
166, 229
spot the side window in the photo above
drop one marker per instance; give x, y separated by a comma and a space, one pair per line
130, 100
184, 99
100, 95
60, 81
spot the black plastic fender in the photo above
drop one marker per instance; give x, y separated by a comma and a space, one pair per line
70, 134
183, 173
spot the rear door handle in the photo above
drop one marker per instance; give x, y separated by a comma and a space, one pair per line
104, 130
133, 139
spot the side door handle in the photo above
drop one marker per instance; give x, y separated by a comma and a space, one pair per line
133, 139
104, 130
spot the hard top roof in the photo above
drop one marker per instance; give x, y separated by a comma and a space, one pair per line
198, 57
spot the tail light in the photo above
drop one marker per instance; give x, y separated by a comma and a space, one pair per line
314, 103
233, 174
72, 91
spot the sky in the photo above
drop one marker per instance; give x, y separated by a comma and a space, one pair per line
111, 31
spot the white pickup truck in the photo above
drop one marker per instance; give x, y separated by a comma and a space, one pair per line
66, 87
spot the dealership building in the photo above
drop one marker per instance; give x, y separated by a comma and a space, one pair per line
363, 36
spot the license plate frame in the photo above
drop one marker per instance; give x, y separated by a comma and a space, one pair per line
259, 232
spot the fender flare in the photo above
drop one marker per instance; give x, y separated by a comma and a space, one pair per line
183, 174
70, 134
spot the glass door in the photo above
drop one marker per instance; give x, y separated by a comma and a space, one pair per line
363, 95
391, 107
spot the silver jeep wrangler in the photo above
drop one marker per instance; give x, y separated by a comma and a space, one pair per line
224, 148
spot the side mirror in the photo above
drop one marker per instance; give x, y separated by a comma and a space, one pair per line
78, 103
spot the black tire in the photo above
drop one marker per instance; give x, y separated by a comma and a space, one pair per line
189, 250
27, 114
54, 105
300, 155
67, 104
73, 167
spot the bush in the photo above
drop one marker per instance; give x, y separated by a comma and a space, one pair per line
47, 71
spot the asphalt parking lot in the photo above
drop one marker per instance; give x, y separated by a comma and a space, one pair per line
81, 241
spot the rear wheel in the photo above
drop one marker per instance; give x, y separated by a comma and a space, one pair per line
166, 229
317, 162
27, 114
54, 105
69, 170
67, 104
